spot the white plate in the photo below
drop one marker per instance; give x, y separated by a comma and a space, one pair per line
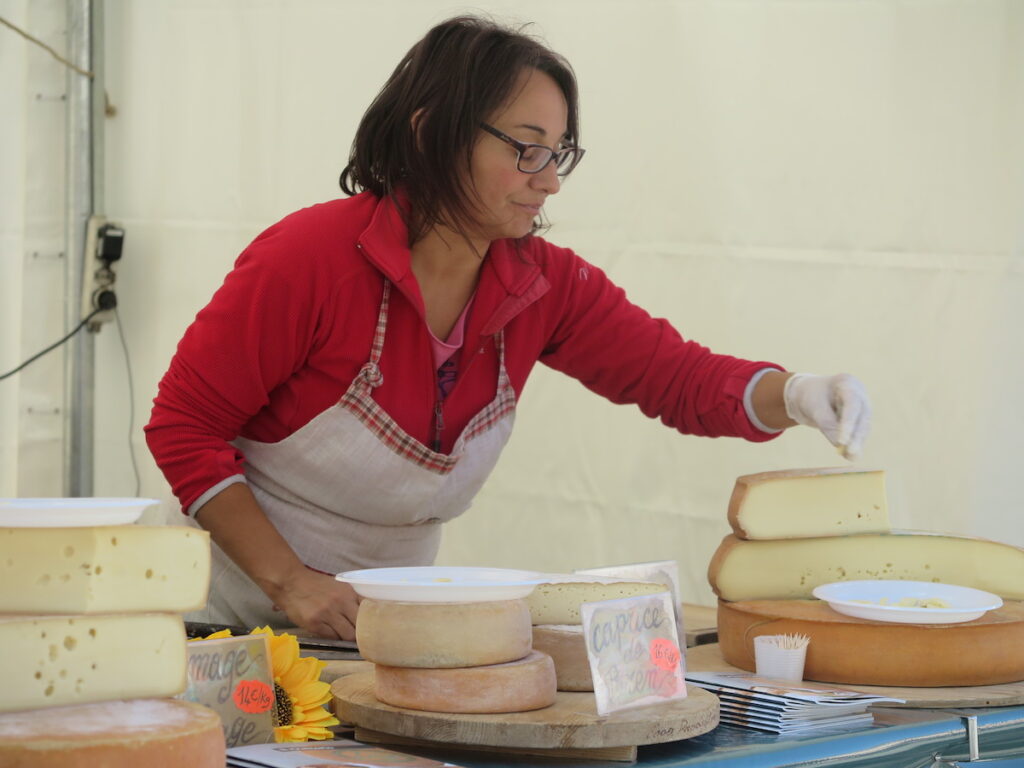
70, 512
965, 603
439, 584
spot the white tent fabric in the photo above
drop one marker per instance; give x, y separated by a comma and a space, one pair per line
829, 184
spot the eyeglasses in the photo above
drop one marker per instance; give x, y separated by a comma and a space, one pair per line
534, 158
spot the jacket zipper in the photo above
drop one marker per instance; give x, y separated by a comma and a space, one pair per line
438, 426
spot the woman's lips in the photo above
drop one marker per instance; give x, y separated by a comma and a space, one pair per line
534, 209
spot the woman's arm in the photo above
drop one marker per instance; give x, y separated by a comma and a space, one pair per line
769, 401
311, 600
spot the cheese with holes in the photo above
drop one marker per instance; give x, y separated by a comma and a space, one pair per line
567, 647
401, 634
799, 503
558, 600
146, 733
517, 686
50, 661
105, 569
843, 649
791, 568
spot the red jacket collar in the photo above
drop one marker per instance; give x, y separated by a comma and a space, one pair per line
385, 244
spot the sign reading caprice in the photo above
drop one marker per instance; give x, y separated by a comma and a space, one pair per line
634, 654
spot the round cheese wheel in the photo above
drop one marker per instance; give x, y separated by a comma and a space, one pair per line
986, 651
567, 647
443, 635
155, 733
517, 686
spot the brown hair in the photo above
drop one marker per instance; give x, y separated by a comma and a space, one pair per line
418, 134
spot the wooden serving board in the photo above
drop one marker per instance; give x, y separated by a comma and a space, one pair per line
571, 722
708, 658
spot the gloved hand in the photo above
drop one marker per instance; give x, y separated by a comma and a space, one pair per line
837, 405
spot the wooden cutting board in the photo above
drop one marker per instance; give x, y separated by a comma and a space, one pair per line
571, 722
708, 658
846, 650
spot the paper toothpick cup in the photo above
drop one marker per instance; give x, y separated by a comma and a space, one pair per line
780, 656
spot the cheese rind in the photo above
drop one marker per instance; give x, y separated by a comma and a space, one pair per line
517, 686
443, 635
60, 660
558, 600
155, 733
801, 503
792, 568
567, 647
842, 649
105, 569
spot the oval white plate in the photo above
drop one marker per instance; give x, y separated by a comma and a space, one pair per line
71, 512
439, 584
965, 603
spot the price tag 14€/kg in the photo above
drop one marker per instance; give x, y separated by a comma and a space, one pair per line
634, 653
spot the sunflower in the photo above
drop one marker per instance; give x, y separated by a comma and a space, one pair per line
299, 713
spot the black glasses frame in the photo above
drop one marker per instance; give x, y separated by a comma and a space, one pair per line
558, 155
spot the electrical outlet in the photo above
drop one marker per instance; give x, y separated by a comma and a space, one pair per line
102, 248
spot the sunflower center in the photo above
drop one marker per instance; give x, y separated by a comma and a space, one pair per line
282, 707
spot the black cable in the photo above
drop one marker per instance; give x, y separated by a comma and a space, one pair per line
131, 402
53, 346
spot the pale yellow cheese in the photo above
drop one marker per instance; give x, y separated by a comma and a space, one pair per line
800, 503
558, 600
402, 634
787, 569
567, 647
49, 661
104, 569
140, 733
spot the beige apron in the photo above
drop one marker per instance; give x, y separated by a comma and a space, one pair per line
351, 489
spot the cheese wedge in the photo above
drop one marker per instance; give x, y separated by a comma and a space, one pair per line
842, 649
105, 569
800, 503
792, 568
401, 634
517, 686
567, 647
558, 600
50, 661
144, 733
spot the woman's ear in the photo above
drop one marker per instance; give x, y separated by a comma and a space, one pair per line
415, 122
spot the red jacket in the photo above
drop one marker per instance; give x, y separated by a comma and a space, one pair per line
284, 336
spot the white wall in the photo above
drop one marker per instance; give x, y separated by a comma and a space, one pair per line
830, 184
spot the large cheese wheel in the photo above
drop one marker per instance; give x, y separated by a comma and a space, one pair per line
140, 733
567, 647
792, 568
105, 569
443, 635
517, 686
842, 649
800, 503
50, 661
558, 600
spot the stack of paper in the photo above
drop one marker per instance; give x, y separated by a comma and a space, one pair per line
777, 706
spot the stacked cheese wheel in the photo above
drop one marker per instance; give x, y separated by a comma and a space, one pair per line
91, 627
795, 530
558, 632
454, 657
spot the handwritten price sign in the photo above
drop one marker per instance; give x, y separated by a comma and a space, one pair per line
633, 647
232, 676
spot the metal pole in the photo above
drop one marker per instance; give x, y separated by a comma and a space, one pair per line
79, 360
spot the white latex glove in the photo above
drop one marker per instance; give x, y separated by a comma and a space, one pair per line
837, 405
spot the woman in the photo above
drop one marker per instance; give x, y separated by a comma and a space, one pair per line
351, 385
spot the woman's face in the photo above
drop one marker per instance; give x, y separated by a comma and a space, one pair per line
508, 199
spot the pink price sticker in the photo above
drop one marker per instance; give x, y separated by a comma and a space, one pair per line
664, 653
253, 696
